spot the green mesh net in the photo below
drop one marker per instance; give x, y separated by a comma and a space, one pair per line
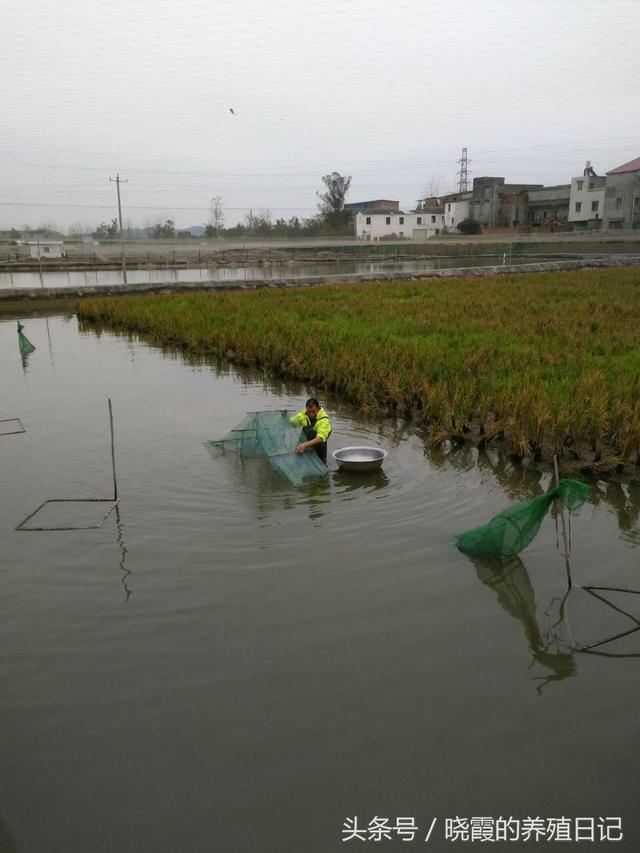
23, 341
269, 434
513, 529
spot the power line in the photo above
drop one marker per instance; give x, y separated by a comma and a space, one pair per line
535, 153
322, 164
132, 206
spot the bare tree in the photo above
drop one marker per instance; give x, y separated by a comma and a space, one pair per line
260, 224
433, 187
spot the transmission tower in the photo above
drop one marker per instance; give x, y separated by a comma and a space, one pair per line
463, 173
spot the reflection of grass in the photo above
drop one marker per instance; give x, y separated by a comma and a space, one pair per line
10, 309
550, 359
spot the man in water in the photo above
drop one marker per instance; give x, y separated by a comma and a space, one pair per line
315, 426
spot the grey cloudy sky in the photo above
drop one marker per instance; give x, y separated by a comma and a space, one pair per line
388, 92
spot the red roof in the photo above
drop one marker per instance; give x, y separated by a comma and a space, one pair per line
631, 166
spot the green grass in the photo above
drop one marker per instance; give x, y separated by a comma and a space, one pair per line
552, 360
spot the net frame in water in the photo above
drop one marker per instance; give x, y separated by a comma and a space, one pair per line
13, 431
113, 504
113, 501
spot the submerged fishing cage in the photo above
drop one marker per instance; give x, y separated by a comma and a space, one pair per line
270, 435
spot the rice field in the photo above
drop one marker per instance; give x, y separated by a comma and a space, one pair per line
544, 362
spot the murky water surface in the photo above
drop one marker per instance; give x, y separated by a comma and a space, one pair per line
258, 272
233, 664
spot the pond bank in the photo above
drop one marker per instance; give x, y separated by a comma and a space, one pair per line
38, 293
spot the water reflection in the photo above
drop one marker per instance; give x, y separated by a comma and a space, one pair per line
352, 481
7, 844
264, 271
269, 491
123, 554
349, 486
624, 499
46, 319
24, 358
316, 494
511, 583
597, 647
553, 647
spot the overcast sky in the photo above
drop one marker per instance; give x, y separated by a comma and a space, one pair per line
388, 92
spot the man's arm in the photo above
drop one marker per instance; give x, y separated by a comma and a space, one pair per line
323, 429
305, 445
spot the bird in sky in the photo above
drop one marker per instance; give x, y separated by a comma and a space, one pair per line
232, 111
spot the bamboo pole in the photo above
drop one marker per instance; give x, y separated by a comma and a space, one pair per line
40, 265
113, 455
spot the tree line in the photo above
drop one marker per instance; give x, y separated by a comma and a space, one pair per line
332, 219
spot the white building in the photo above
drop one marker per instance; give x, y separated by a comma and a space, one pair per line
457, 208
586, 201
44, 248
399, 225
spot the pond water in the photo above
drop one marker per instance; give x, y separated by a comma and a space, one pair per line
257, 272
230, 663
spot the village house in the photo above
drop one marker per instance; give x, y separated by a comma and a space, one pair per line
590, 201
586, 200
495, 204
399, 225
548, 206
456, 208
622, 196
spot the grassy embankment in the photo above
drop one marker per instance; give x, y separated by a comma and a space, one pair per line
547, 362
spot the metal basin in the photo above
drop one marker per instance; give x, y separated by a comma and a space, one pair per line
360, 458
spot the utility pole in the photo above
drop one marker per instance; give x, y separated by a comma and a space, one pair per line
117, 181
463, 173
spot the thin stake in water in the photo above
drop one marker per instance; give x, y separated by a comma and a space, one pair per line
113, 455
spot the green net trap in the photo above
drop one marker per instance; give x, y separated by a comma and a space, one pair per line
24, 343
270, 435
513, 529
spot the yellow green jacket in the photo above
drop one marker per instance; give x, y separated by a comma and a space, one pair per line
322, 425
